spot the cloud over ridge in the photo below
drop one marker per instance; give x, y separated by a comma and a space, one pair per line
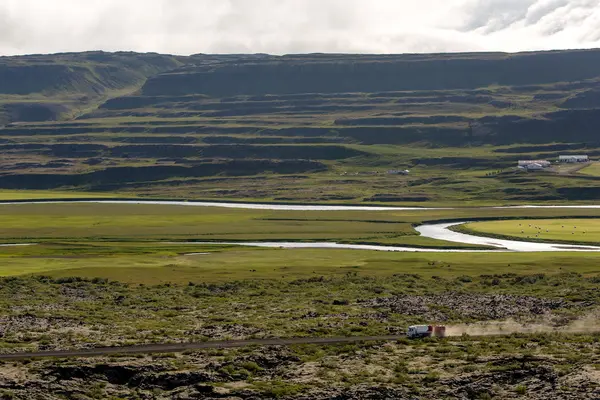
294, 26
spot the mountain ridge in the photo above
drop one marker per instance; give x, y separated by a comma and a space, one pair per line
308, 127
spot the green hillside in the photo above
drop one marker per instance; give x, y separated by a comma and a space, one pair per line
42, 87
320, 127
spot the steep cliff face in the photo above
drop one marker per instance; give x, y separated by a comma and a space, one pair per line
587, 99
50, 87
289, 74
31, 112
78, 73
55, 84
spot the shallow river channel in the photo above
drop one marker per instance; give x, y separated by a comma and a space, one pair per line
434, 231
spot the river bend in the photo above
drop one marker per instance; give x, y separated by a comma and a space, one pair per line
434, 231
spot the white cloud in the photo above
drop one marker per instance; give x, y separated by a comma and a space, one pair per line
293, 26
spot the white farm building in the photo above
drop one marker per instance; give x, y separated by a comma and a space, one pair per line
534, 167
398, 172
540, 163
573, 159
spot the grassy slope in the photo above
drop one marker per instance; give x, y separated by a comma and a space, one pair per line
65, 86
7, 195
426, 131
593, 170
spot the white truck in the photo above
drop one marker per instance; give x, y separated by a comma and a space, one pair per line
423, 331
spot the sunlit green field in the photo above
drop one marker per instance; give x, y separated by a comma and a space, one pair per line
153, 243
6, 195
575, 230
159, 222
593, 169
161, 263
135, 222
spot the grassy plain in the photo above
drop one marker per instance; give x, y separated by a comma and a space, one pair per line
561, 230
148, 243
7, 195
593, 169
135, 222
104, 275
152, 263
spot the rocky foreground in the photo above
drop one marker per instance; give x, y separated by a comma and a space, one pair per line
530, 368
44, 314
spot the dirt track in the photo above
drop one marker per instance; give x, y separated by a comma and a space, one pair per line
181, 347
585, 324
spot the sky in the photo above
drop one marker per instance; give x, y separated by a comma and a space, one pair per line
297, 26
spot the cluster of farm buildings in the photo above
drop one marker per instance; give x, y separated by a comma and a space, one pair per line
532, 165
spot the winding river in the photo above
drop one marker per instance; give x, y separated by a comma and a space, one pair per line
443, 232
433, 231
283, 207
245, 206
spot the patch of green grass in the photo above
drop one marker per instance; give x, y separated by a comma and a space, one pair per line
521, 390
134, 243
201, 223
562, 230
151, 263
593, 169
169, 222
7, 195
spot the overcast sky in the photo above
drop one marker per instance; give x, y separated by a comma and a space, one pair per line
296, 26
